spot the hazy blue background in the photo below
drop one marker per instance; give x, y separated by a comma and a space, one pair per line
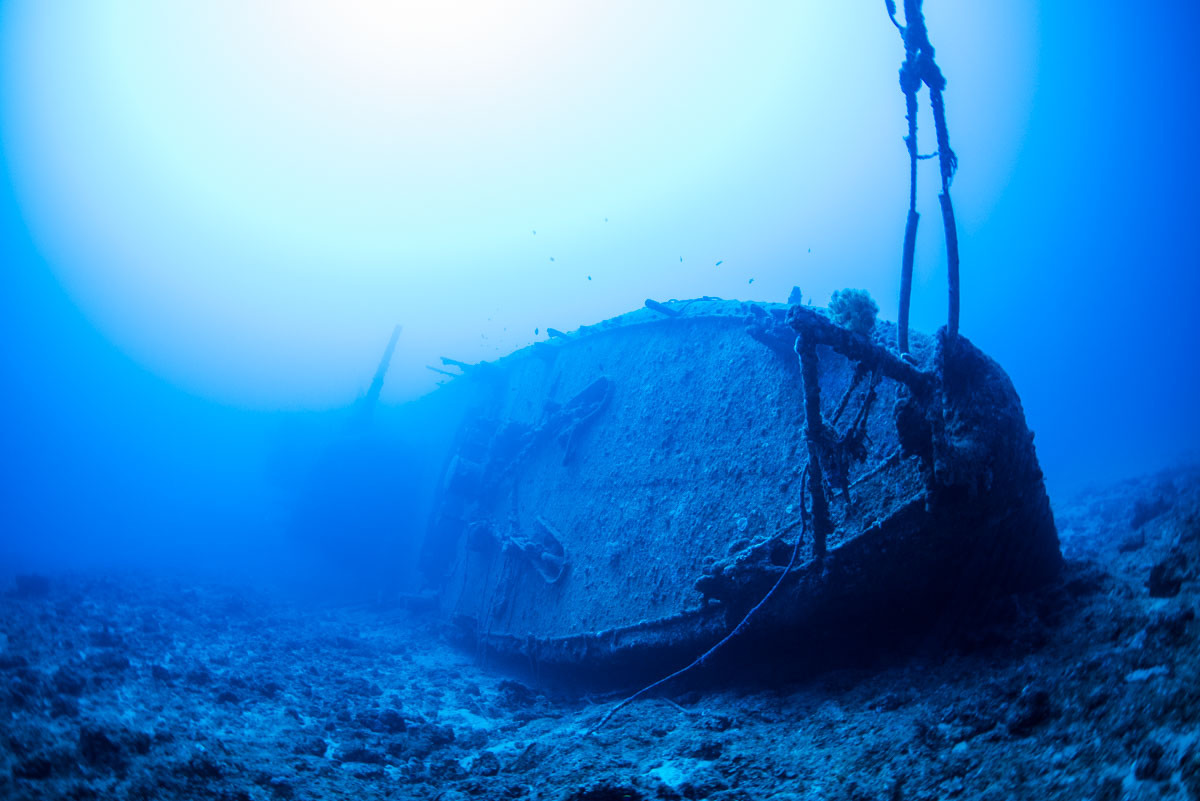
212, 215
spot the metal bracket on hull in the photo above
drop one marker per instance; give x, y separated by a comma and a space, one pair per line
813, 328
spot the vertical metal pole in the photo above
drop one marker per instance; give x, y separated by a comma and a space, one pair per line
816, 436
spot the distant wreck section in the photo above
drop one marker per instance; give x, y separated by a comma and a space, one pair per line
630, 490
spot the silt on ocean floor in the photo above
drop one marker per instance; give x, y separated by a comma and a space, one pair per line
140, 686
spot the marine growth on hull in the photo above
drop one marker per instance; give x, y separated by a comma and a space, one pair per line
637, 486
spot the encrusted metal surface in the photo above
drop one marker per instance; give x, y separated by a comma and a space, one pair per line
617, 490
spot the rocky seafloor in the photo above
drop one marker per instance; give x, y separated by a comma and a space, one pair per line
147, 687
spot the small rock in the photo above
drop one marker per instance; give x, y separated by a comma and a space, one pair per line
1189, 772
311, 746
69, 681
13, 662
447, 769
889, 702
198, 677
515, 694
530, 758
1111, 789
1145, 510
281, 788
100, 750
1166, 577
35, 768
486, 764
717, 722
357, 685
201, 768
1097, 698
456, 795
106, 638
64, 706
1150, 764
709, 749
606, 792
107, 662
363, 772
1032, 709
1134, 543
392, 721
1170, 627
1145, 674
362, 756
24, 689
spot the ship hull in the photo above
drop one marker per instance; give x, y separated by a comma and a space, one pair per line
635, 488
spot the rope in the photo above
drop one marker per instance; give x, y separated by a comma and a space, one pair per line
736, 630
919, 68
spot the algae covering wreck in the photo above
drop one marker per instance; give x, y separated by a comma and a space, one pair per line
633, 489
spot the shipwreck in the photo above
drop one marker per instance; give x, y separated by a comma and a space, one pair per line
637, 492
635, 488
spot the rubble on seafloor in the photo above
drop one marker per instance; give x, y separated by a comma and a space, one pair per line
143, 686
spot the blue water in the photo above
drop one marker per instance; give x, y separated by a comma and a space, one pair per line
201, 259
1081, 280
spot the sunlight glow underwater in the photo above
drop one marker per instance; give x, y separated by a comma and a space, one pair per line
245, 197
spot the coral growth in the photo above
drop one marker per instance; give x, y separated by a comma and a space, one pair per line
854, 309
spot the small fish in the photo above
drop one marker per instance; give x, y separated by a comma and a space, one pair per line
718, 264
681, 259
535, 233
589, 278
752, 280
606, 219
551, 258
537, 331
